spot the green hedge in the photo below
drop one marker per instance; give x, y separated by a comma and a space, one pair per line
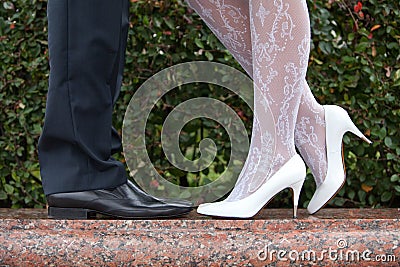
354, 63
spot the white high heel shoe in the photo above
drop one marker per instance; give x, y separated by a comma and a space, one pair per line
337, 123
291, 174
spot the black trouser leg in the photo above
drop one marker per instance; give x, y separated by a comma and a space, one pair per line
87, 40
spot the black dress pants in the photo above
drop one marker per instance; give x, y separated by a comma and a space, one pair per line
87, 41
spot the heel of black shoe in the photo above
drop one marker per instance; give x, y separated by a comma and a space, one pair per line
70, 213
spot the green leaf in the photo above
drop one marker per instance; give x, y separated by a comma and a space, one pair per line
396, 76
35, 173
371, 200
3, 195
388, 141
386, 196
198, 42
361, 47
9, 189
394, 178
15, 176
209, 56
382, 133
339, 202
170, 23
351, 194
361, 195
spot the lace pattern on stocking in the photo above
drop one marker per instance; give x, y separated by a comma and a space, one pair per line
232, 22
229, 23
278, 75
310, 135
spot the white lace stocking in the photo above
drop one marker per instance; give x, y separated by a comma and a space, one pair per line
276, 35
229, 21
310, 135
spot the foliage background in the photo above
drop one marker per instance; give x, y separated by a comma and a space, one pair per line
354, 63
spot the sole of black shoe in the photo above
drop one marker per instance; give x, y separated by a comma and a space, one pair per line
70, 213
82, 214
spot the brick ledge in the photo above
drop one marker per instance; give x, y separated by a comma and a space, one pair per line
28, 238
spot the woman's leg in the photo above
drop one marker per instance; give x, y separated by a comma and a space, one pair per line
277, 33
280, 35
230, 22
310, 135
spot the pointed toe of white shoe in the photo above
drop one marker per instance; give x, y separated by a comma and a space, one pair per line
325, 192
224, 209
291, 174
210, 209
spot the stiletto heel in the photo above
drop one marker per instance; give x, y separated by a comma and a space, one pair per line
337, 123
296, 188
357, 132
291, 174
350, 126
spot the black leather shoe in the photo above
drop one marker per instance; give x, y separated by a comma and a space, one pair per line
174, 202
125, 201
